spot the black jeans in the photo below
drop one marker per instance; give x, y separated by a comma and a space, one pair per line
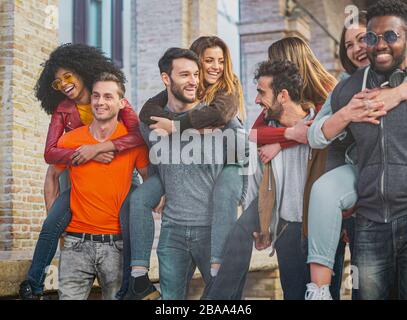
349, 226
237, 252
292, 254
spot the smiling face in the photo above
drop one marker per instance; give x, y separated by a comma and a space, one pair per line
356, 47
70, 84
385, 57
183, 81
105, 100
213, 61
266, 99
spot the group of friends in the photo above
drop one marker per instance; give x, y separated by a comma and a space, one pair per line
330, 168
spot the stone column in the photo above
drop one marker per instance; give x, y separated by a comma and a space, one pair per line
203, 17
27, 36
158, 25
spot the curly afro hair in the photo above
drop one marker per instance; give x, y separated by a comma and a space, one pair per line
382, 8
87, 62
285, 76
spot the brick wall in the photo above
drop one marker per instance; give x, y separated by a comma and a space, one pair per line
27, 36
158, 25
6, 60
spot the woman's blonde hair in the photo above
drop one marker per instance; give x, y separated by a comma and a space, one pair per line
228, 82
318, 82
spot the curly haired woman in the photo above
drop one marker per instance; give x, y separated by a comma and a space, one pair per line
64, 90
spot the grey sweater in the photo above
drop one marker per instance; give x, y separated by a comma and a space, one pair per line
189, 165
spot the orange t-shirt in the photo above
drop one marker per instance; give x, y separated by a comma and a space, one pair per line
98, 190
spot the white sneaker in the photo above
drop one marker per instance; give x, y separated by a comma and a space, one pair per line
315, 293
325, 293
312, 292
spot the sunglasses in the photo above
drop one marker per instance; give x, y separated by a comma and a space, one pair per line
371, 38
57, 83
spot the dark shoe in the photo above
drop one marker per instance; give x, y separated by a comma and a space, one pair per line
26, 292
141, 288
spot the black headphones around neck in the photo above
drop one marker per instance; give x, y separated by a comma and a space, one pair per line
396, 78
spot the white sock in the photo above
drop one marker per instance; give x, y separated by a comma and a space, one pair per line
135, 273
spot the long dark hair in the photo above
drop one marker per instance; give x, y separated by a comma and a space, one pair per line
87, 62
343, 56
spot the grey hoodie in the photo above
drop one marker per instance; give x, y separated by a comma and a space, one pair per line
381, 151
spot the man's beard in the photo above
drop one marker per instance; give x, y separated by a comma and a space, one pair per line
275, 112
179, 94
398, 61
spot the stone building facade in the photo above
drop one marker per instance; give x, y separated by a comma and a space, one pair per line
28, 33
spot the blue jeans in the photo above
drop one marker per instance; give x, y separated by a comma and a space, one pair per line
381, 258
226, 196
142, 201
180, 250
58, 219
125, 228
331, 193
54, 225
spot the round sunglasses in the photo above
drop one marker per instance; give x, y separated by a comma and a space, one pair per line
390, 36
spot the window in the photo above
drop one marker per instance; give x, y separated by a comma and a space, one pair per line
99, 23
117, 33
80, 26
94, 36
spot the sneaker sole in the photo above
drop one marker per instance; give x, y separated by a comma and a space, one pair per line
152, 296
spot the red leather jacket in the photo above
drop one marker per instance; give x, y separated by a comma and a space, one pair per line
66, 118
